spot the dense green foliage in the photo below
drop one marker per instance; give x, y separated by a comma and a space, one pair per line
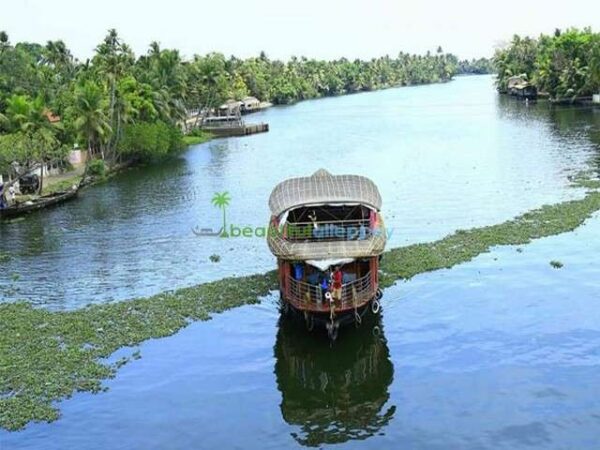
475, 66
566, 65
197, 136
97, 168
150, 140
116, 105
47, 356
302, 78
45, 92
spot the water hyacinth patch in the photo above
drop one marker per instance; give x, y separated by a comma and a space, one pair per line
464, 245
47, 356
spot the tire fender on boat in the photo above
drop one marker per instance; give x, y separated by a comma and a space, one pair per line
375, 306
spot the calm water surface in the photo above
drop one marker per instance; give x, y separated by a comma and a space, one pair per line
445, 156
500, 352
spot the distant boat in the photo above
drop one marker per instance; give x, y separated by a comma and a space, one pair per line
35, 204
320, 223
518, 86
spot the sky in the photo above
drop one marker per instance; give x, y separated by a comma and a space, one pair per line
323, 29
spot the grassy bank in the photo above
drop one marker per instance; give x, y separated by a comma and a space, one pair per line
197, 137
62, 185
47, 356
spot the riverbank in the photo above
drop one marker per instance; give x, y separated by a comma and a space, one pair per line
197, 137
67, 180
48, 356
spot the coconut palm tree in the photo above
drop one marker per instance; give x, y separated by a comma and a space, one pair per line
221, 200
4, 42
113, 59
91, 122
24, 114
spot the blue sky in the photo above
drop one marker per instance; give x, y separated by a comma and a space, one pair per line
324, 29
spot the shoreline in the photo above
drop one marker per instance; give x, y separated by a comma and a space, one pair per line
65, 352
190, 139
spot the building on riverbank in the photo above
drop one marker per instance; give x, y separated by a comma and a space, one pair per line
230, 108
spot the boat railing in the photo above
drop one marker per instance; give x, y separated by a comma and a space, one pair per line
222, 122
306, 294
331, 230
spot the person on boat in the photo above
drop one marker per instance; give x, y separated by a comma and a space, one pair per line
298, 272
2, 202
324, 283
362, 232
336, 283
12, 194
313, 218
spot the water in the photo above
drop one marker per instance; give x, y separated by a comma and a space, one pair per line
502, 352
445, 156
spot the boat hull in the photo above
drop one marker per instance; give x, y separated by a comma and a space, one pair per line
42, 202
323, 319
319, 321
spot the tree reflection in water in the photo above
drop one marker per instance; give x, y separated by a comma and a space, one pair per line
334, 392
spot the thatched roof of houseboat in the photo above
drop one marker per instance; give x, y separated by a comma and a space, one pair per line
516, 80
324, 188
253, 100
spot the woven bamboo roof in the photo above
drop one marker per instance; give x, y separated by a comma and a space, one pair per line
290, 250
323, 187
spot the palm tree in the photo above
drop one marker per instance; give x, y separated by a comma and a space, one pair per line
89, 108
4, 42
29, 118
23, 114
113, 59
221, 200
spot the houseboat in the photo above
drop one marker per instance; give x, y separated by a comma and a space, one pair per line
328, 234
518, 86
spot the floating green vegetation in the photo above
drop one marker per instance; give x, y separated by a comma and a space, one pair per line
585, 179
4, 257
464, 245
556, 264
47, 356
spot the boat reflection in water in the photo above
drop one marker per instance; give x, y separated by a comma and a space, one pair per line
335, 392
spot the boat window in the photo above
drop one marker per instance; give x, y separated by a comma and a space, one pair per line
330, 222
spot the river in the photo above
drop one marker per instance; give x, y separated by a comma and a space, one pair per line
499, 352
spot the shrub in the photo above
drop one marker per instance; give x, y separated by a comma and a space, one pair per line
97, 168
150, 140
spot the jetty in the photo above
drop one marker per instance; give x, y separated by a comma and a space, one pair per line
228, 126
224, 121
